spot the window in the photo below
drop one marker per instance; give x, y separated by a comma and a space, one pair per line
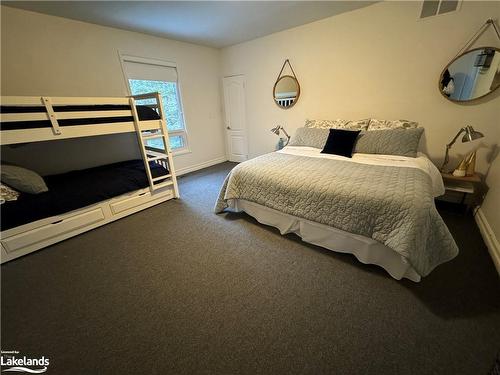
146, 75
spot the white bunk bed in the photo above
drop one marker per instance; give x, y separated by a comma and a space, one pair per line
34, 119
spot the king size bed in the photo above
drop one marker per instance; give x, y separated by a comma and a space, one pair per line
378, 207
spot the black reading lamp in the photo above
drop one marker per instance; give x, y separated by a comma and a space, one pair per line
470, 135
277, 129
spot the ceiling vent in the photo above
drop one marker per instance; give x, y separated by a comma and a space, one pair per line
434, 7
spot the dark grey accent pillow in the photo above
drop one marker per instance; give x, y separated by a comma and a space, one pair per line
312, 137
402, 142
22, 179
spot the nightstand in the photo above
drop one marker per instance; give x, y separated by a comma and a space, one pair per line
466, 186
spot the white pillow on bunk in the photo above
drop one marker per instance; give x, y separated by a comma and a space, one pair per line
23, 180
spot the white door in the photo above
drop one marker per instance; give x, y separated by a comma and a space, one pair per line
235, 124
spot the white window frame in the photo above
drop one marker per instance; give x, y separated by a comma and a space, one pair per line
170, 64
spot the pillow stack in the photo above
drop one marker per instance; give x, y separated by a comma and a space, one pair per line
369, 136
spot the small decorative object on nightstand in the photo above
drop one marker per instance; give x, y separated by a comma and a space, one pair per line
277, 130
467, 185
470, 135
466, 166
471, 164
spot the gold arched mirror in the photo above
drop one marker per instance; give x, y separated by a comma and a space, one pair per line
471, 75
286, 89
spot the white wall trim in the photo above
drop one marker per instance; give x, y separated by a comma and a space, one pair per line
489, 237
196, 167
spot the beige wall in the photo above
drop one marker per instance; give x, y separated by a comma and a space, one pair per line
46, 55
379, 62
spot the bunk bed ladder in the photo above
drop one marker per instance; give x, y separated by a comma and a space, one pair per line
156, 155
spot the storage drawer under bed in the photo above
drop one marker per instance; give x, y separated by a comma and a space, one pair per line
61, 228
136, 202
19, 241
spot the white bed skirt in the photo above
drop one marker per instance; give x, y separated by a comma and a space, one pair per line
365, 249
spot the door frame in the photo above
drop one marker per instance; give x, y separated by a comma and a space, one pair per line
225, 124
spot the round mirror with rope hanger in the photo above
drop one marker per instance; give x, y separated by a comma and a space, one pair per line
473, 73
286, 89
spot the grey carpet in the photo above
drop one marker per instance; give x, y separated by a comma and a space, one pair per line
176, 289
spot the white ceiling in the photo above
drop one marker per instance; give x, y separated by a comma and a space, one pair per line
212, 23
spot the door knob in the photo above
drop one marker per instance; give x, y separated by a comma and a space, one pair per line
228, 127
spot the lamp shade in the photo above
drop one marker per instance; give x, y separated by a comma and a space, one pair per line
276, 130
471, 134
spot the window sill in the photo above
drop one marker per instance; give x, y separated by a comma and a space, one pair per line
181, 151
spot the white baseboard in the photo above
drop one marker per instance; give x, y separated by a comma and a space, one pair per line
489, 237
205, 164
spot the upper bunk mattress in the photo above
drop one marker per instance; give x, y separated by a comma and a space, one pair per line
76, 189
144, 112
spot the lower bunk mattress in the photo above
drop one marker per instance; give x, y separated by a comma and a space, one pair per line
76, 189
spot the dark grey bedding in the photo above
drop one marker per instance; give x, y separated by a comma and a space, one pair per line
76, 189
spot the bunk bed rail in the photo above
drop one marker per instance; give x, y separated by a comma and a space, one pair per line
33, 118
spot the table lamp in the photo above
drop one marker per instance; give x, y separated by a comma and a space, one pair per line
278, 129
470, 135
